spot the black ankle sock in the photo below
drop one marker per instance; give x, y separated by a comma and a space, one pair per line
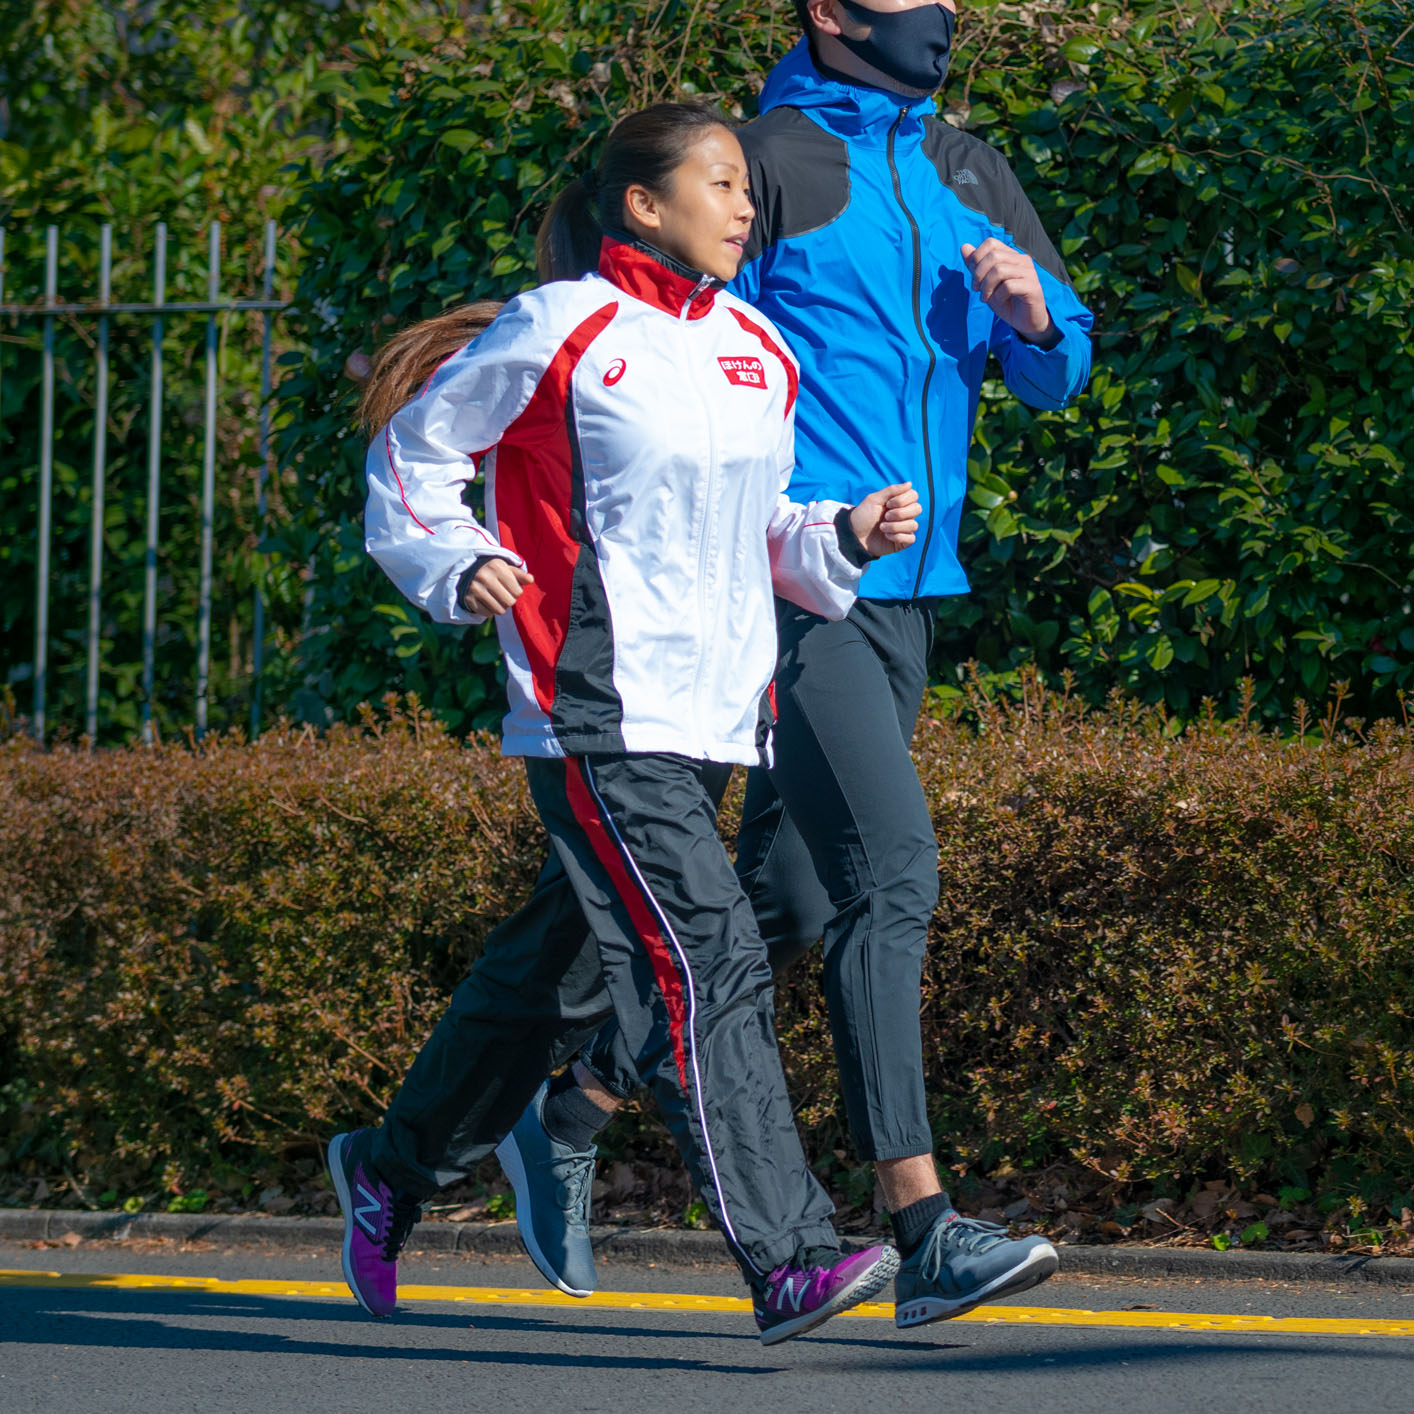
911, 1224
570, 1115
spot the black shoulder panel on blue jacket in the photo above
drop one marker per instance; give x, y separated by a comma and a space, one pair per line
799, 177
978, 175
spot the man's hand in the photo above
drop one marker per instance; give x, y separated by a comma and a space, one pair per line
1010, 287
495, 587
887, 520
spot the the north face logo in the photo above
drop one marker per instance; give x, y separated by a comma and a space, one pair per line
744, 372
965, 177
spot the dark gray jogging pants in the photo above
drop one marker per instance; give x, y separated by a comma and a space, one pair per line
685, 971
837, 840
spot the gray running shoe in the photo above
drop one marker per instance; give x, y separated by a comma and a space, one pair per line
964, 1262
552, 1184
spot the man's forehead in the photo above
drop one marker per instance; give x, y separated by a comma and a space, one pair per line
887, 7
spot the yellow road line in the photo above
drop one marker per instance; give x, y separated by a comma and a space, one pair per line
660, 1301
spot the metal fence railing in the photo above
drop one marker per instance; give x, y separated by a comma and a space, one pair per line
101, 312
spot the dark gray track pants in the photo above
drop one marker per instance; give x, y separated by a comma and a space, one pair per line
673, 948
837, 840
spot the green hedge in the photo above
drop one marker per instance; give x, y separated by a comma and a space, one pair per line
1228, 184
1157, 960
127, 115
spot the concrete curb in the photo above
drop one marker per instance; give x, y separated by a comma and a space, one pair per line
681, 1247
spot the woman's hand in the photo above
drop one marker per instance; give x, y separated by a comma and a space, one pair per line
495, 587
887, 520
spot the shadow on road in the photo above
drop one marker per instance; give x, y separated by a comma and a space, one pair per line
1114, 1349
73, 1301
136, 1321
155, 1320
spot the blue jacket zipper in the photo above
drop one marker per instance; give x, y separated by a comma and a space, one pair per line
923, 335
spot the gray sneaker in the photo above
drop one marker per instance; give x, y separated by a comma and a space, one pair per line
552, 1184
964, 1262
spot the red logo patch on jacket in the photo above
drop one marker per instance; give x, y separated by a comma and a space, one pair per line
744, 372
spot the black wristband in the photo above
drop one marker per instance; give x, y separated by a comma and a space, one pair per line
851, 547
467, 575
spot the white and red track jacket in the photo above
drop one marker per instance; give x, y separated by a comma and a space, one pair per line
636, 432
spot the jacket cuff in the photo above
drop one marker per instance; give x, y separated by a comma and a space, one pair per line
850, 545
1052, 339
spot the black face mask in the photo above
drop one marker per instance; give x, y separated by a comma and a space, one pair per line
911, 47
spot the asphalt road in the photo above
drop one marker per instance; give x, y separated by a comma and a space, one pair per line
77, 1348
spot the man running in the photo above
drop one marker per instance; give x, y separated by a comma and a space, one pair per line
895, 253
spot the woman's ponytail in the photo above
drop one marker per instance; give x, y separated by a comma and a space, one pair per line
643, 149
411, 357
567, 243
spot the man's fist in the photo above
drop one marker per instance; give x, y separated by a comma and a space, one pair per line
1010, 287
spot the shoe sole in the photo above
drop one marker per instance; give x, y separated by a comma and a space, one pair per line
513, 1166
866, 1284
341, 1189
1040, 1263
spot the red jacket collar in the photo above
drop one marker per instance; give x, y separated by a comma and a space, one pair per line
657, 279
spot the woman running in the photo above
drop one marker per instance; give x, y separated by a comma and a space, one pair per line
634, 430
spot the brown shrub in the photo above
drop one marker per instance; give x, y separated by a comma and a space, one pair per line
1163, 957
214, 955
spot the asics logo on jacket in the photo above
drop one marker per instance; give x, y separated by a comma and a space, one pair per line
863, 201
642, 489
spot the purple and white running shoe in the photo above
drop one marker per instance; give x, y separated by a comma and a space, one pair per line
377, 1222
817, 1284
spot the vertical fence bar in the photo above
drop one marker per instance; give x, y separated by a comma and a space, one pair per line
2, 301
154, 472
46, 482
208, 484
2, 266
100, 442
258, 649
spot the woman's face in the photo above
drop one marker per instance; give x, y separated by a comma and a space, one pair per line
703, 217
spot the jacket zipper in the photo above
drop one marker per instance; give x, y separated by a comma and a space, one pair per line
707, 633
923, 335
705, 283
707, 636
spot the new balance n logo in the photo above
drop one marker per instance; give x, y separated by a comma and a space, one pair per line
366, 1213
787, 1295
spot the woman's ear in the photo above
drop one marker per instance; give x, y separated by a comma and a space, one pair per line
642, 207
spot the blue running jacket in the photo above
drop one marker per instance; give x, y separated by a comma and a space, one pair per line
863, 200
